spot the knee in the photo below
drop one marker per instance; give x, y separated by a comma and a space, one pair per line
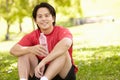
67, 56
64, 57
24, 57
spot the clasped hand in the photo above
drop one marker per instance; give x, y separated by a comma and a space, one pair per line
39, 50
39, 70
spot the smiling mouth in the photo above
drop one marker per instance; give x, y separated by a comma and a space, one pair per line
44, 23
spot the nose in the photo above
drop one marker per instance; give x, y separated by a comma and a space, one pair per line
43, 18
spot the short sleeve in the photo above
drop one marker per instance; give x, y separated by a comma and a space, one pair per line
65, 33
25, 41
30, 39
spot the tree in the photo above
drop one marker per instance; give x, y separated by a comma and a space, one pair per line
12, 10
22, 10
7, 13
71, 8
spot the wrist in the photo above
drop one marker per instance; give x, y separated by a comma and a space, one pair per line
29, 49
42, 63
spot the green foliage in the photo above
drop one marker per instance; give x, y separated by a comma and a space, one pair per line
12, 10
6, 10
63, 3
71, 8
67, 23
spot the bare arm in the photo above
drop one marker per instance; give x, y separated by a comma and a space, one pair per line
60, 48
18, 50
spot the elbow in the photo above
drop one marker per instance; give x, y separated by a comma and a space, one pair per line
15, 50
68, 43
12, 52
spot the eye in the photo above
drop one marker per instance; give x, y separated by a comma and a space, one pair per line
47, 15
39, 16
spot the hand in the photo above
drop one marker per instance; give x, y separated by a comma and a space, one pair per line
39, 70
38, 50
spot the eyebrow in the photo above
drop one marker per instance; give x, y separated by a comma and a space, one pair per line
41, 14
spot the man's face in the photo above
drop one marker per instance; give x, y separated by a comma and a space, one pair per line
44, 19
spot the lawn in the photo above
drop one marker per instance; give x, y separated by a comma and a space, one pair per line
96, 53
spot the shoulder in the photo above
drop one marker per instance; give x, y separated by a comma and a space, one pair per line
62, 32
30, 38
34, 33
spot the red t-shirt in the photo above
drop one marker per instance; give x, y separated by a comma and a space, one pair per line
53, 38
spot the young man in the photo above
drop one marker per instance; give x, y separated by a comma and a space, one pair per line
34, 62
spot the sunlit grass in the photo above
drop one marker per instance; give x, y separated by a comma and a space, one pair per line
98, 34
97, 51
8, 66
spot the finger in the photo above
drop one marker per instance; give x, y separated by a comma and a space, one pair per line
44, 50
42, 70
39, 52
38, 74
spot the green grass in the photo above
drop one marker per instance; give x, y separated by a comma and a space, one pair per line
97, 65
101, 63
8, 67
96, 53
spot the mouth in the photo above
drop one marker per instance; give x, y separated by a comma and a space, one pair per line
44, 23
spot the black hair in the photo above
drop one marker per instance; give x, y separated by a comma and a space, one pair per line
46, 5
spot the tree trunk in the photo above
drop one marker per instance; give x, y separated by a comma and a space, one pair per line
7, 37
8, 26
20, 27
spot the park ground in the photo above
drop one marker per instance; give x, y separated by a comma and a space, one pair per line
96, 52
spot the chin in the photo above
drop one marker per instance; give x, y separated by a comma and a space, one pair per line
45, 28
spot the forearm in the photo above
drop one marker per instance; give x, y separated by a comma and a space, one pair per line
18, 50
53, 55
60, 49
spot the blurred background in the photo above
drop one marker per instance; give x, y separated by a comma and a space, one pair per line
95, 25
16, 15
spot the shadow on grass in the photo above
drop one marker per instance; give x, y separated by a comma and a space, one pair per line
102, 63
8, 67
106, 69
